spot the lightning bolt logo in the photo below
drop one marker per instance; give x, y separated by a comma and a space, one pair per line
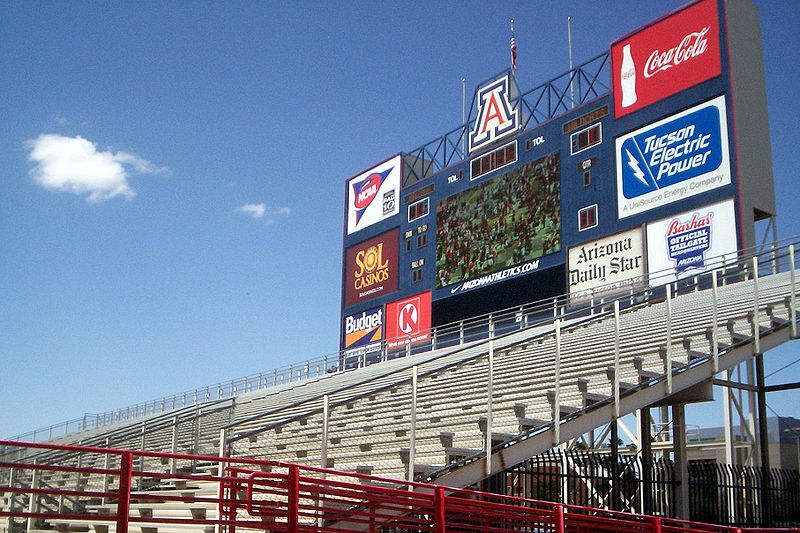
637, 171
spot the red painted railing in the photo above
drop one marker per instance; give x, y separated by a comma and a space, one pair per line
99, 488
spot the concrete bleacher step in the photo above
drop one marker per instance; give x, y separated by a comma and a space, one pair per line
370, 416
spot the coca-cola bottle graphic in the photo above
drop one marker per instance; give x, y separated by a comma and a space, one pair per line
627, 77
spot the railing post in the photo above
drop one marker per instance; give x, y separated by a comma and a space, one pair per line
173, 463
408, 346
141, 458
557, 395
106, 466
668, 358
489, 393
792, 300
656, 525
433, 339
323, 454
461, 332
79, 465
558, 524
756, 329
714, 326
412, 444
124, 493
616, 361
222, 449
11, 501
293, 500
439, 517
33, 503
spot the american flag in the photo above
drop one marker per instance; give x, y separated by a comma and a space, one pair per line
513, 54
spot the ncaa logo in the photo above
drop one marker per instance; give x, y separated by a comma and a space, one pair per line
408, 318
364, 192
372, 195
496, 117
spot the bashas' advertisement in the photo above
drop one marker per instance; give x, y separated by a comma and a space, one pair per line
408, 320
373, 195
371, 268
672, 159
605, 265
673, 54
363, 332
687, 244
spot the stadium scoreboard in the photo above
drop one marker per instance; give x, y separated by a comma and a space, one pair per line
642, 185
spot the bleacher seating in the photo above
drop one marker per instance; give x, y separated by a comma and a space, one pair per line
370, 407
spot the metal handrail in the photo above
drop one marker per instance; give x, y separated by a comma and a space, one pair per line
738, 271
364, 499
334, 362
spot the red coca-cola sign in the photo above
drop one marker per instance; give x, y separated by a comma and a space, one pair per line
673, 54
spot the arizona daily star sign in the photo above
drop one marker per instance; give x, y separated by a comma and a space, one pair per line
672, 159
496, 118
373, 195
606, 264
663, 59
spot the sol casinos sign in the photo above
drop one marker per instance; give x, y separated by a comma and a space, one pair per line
672, 159
678, 52
371, 268
373, 195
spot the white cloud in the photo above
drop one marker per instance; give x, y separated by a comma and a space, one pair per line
254, 210
263, 211
73, 164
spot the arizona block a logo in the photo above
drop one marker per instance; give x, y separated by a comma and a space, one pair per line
496, 117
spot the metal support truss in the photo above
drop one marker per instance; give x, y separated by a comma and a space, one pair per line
588, 81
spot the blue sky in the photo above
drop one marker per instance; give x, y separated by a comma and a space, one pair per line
207, 243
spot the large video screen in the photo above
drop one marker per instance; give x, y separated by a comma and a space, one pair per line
505, 221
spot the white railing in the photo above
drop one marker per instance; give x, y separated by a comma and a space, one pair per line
454, 334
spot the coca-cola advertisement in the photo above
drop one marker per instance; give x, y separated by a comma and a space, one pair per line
692, 242
677, 52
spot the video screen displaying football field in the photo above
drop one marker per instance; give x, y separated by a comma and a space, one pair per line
505, 221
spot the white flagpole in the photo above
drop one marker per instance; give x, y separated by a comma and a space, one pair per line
569, 43
513, 50
464, 116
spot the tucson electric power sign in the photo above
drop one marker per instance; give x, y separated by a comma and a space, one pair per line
638, 186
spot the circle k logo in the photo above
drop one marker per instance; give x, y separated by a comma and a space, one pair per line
408, 318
